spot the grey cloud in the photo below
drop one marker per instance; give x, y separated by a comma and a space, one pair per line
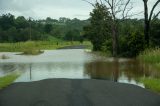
41, 8
15, 5
55, 8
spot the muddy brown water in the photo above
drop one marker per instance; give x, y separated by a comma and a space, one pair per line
75, 64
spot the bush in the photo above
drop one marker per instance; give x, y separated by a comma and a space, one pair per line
132, 45
107, 46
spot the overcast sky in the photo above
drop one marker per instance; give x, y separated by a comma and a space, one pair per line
40, 9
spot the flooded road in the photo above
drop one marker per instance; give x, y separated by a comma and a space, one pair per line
74, 64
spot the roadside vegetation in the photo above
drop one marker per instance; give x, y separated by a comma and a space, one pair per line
151, 83
151, 57
7, 80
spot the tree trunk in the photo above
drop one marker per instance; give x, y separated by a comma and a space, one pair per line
115, 40
116, 70
146, 23
146, 33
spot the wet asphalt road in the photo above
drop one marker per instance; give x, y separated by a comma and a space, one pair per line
66, 92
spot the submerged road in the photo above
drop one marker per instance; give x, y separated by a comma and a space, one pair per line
65, 92
74, 47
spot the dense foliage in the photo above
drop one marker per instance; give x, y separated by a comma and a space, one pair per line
131, 37
155, 33
98, 31
20, 29
130, 33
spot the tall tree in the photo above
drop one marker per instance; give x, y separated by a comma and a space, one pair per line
48, 28
99, 28
7, 21
21, 22
119, 9
148, 17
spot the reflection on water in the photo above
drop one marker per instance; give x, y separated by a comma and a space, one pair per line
127, 71
76, 64
39, 71
6, 68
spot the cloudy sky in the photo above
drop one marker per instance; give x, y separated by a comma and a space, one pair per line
40, 9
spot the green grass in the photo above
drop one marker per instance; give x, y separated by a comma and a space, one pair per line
152, 84
35, 47
151, 56
7, 80
32, 51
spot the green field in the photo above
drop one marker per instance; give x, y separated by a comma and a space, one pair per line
36, 47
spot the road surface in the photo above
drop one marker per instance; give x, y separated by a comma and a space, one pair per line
68, 92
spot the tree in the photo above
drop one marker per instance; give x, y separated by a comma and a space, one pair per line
48, 20
148, 18
48, 28
155, 31
118, 9
69, 36
7, 21
12, 34
121, 9
21, 22
72, 35
98, 31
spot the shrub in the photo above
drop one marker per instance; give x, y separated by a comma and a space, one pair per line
132, 45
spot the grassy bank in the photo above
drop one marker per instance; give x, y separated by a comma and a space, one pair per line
35, 47
151, 83
7, 80
152, 58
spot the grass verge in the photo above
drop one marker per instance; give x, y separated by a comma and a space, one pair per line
7, 80
152, 84
151, 56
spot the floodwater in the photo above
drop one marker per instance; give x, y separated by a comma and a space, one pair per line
75, 64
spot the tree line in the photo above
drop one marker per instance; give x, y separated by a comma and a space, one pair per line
21, 29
